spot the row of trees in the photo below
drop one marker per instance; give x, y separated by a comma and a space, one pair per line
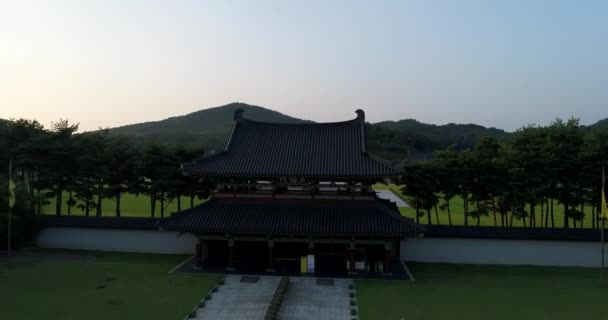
524, 177
87, 168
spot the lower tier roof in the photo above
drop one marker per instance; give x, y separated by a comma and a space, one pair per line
295, 217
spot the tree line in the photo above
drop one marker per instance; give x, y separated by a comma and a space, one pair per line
524, 177
81, 170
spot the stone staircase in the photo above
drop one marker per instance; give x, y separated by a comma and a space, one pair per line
237, 300
238, 297
319, 299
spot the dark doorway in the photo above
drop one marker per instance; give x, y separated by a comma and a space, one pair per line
251, 256
330, 258
375, 257
288, 255
217, 253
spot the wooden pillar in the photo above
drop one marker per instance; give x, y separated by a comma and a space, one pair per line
229, 265
270, 256
351, 257
311, 247
387, 257
198, 255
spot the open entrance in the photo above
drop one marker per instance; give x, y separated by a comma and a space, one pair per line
330, 258
375, 258
288, 255
217, 253
248, 256
251, 255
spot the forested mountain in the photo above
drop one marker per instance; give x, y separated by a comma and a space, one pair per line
464, 135
208, 128
414, 139
601, 125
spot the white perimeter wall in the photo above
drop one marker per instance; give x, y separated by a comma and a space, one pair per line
148, 241
495, 251
448, 250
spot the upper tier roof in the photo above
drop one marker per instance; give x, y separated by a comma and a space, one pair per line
322, 150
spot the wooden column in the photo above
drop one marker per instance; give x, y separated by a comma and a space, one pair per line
270, 256
351, 257
387, 257
229, 265
198, 255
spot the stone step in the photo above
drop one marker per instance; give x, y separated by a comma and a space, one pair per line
306, 299
236, 300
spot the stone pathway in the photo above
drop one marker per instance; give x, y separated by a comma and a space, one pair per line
237, 300
390, 195
305, 299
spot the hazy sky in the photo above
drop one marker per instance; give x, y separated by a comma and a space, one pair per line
497, 63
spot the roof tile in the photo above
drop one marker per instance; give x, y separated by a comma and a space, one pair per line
259, 149
289, 217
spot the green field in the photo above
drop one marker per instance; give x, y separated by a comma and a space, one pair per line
457, 212
117, 286
131, 205
139, 206
467, 292
137, 286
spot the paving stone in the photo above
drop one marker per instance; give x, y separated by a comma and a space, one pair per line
238, 300
305, 299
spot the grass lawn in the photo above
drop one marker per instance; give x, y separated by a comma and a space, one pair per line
131, 205
117, 286
137, 286
457, 210
444, 291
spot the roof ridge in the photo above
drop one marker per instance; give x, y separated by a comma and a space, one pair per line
245, 120
239, 117
234, 127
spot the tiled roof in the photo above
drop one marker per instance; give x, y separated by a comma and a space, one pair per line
288, 217
259, 149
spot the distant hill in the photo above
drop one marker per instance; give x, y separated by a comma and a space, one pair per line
443, 133
210, 129
408, 138
418, 140
600, 125
207, 128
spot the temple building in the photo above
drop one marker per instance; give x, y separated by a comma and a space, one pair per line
295, 198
